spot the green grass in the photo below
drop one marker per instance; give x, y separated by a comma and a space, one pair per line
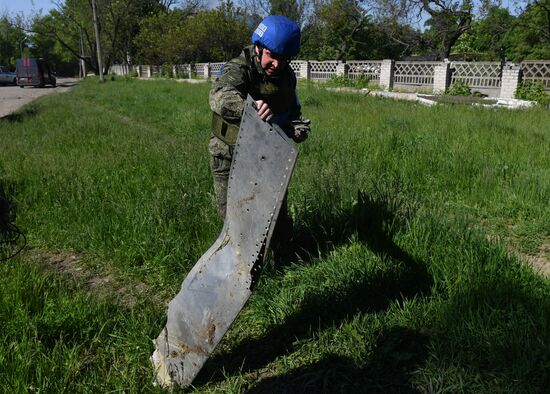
404, 216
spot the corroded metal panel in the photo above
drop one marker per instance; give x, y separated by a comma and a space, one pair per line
219, 285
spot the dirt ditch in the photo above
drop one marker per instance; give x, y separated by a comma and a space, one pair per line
101, 282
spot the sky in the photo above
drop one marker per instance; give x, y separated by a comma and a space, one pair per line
34, 6
13, 7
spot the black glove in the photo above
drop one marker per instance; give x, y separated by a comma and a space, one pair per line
299, 129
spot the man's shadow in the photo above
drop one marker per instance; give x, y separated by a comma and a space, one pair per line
374, 220
397, 353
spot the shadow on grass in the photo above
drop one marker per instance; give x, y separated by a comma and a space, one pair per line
375, 224
398, 352
12, 240
20, 116
374, 219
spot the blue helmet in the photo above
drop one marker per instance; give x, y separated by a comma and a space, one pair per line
278, 34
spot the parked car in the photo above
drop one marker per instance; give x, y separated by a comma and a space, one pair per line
34, 72
6, 76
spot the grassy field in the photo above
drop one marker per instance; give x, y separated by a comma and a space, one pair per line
413, 226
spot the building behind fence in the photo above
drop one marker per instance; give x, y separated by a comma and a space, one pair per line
494, 79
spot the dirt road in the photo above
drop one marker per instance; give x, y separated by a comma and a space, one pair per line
13, 97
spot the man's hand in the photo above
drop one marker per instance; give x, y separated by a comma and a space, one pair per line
299, 129
264, 111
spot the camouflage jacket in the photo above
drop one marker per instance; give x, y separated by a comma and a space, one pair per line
244, 75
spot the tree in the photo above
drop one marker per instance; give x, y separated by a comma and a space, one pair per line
47, 47
448, 21
12, 39
337, 31
161, 38
216, 35
118, 23
208, 35
530, 36
491, 33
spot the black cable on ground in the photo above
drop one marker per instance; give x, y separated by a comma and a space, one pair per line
9, 232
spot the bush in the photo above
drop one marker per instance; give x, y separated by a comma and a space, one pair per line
532, 91
344, 81
167, 71
458, 88
134, 73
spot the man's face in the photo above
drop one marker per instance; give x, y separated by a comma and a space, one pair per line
272, 63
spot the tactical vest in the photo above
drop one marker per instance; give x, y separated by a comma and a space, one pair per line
279, 93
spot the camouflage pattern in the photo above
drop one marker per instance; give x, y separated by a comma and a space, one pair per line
220, 163
239, 77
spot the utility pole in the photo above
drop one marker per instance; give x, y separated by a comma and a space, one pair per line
98, 44
82, 62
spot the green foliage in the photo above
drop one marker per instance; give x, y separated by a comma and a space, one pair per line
11, 40
491, 33
448, 21
167, 71
58, 33
134, 73
291, 9
345, 81
529, 37
533, 91
407, 223
458, 88
176, 37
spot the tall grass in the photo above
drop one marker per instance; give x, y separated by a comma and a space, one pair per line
402, 280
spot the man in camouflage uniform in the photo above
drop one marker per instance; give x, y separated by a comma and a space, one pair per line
263, 71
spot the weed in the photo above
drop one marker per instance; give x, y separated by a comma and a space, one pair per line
459, 88
533, 91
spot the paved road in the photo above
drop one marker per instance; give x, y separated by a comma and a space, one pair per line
13, 97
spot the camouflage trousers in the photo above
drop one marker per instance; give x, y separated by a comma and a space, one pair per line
221, 155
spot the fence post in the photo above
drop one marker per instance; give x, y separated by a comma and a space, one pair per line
511, 77
305, 70
149, 73
442, 76
342, 69
386, 74
206, 70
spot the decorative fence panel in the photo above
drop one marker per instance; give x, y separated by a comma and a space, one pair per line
215, 69
486, 76
142, 71
120, 69
537, 70
414, 73
369, 70
182, 70
477, 74
156, 71
323, 70
198, 69
296, 66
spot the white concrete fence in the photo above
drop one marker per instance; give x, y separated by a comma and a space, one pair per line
491, 78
